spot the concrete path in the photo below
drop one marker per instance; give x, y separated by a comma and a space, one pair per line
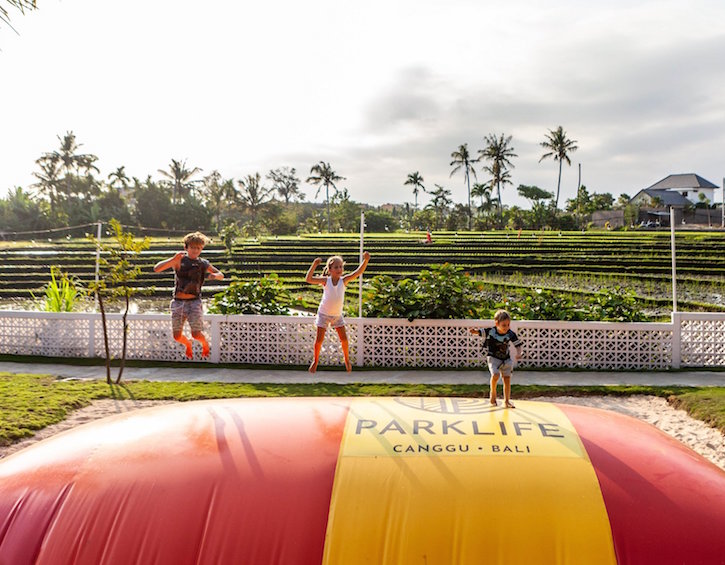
392, 376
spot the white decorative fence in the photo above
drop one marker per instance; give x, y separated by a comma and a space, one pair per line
689, 340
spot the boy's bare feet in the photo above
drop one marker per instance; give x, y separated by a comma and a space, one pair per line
189, 352
313, 367
205, 352
509, 404
348, 367
494, 402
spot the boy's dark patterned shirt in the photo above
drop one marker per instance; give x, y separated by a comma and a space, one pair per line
497, 345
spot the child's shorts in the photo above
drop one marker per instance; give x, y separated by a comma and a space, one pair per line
324, 320
504, 367
182, 310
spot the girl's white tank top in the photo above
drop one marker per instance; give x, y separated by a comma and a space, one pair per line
333, 297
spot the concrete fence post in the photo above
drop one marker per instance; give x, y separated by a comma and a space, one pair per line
676, 340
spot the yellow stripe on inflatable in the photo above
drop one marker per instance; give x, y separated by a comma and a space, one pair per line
458, 481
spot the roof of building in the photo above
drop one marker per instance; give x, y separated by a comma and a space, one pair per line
668, 197
689, 180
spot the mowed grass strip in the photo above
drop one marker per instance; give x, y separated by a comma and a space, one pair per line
29, 403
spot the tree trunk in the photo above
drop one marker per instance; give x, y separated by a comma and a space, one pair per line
105, 337
125, 341
558, 185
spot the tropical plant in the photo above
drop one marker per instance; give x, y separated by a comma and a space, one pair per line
462, 161
440, 202
266, 296
416, 181
229, 233
498, 153
321, 175
617, 305
286, 183
21, 5
63, 293
68, 163
482, 190
218, 195
558, 147
118, 180
441, 292
116, 276
180, 179
253, 195
540, 304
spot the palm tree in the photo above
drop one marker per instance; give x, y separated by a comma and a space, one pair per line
48, 178
322, 174
68, 162
118, 177
559, 147
462, 160
253, 195
439, 202
416, 181
179, 176
482, 190
498, 152
286, 183
21, 5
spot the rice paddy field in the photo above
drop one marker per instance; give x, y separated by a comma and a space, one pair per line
572, 263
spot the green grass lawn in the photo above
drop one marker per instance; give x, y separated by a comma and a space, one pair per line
29, 403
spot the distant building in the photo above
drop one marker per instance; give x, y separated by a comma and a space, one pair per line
676, 191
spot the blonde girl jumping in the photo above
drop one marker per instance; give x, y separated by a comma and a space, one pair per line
329, 312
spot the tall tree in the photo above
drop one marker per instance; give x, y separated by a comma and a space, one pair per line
21, 5
117, 180
558, 147
253, 195
440, 201
462, 161
180, 178
321, 175
69, 164
498, 154
482, 190
286, 183
416, 181
218, 195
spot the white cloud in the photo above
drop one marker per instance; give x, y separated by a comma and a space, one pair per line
379, 89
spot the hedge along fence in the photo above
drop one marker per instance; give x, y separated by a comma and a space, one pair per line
688, 340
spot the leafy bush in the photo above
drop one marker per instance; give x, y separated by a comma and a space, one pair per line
63, 293
618, 305
443, 292
538, 304
265, 296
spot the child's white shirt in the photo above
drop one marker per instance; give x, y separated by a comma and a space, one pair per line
333, 297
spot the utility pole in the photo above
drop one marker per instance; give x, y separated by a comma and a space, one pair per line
674, 266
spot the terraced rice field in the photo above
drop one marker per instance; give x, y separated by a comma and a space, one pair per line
571, 262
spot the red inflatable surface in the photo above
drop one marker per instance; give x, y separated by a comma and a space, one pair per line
369, 480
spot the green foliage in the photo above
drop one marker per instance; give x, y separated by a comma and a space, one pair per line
443, 292
538, 304
265, 296
617, 305
63, 293
230, 232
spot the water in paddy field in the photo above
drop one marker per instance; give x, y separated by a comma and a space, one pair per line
137, 306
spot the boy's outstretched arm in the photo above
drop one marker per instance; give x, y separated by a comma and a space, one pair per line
174, 261
310, 278
214, 273
360, 270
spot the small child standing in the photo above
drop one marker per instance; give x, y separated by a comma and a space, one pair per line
499, 360
190, 271
329, 311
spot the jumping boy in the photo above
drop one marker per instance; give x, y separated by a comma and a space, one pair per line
499, 360
190, 271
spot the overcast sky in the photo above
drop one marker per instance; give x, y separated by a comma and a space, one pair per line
379, 88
